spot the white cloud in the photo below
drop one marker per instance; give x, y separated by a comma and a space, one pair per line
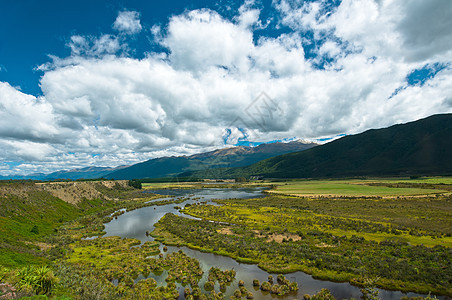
93, 46
330, 48
426, 29
128, 22
101, 108
411, 30
249, 15
25, 117
30, 151
201, 39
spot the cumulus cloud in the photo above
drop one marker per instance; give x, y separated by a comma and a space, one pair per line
411, 30
30, 151
128, 22
206, 89
25, 117
201, 39
425, 29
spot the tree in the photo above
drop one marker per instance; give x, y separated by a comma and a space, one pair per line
35, 229
135, 183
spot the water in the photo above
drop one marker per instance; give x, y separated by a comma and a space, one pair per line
134, 224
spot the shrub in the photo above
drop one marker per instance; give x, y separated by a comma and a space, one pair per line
293, 286
209, 285
135, 183
265, 286
3, 272
280, 278
237, 293
40, 280
324, 294
35, 230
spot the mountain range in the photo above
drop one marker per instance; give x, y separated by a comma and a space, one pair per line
176, 165
222, 158
422, 147
74, 174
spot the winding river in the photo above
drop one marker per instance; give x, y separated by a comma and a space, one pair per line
134, 224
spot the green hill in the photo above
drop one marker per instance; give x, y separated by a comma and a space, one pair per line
221, 158
422, 147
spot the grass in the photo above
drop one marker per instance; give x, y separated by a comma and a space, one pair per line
348, 188
368, 225
29, 215
372, 228
24, 222
429, 180
111, 251
399, 233
167, 185
200, 185
317, 248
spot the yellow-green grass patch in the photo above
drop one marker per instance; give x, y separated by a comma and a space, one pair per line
347, 188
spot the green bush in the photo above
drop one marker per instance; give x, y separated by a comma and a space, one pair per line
135, 183
324, 294
40, 280
35, 230
3, 272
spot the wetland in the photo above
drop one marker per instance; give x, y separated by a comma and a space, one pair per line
252, 241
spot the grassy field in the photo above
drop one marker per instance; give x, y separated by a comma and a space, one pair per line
397, 231
394, 230
30, 213
405, 242
200, 185
39, 231
167, 185
429, 180
358, 187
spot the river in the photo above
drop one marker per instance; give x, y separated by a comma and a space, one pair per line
134, 224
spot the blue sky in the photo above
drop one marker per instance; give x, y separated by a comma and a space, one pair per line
30, 30
116, 82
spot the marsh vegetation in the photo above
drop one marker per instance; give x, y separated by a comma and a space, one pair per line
55, 248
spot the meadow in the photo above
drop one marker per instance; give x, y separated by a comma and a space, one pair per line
389, 233
340, 230
365, 187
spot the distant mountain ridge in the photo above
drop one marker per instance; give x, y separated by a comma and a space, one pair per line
221, 158
172, 166
422, 147
74, 174
85, 173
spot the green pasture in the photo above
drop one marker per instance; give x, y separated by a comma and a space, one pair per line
427, 180
166, 185
349, 188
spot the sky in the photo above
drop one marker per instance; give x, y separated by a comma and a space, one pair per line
108, 83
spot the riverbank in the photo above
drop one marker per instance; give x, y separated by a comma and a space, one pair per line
258, 231
295, 231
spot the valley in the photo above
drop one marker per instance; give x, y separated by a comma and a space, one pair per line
163, 241
234, 149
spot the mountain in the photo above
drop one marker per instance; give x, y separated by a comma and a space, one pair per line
34, 176
85, 173
422, 147
221, 158
74, 174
